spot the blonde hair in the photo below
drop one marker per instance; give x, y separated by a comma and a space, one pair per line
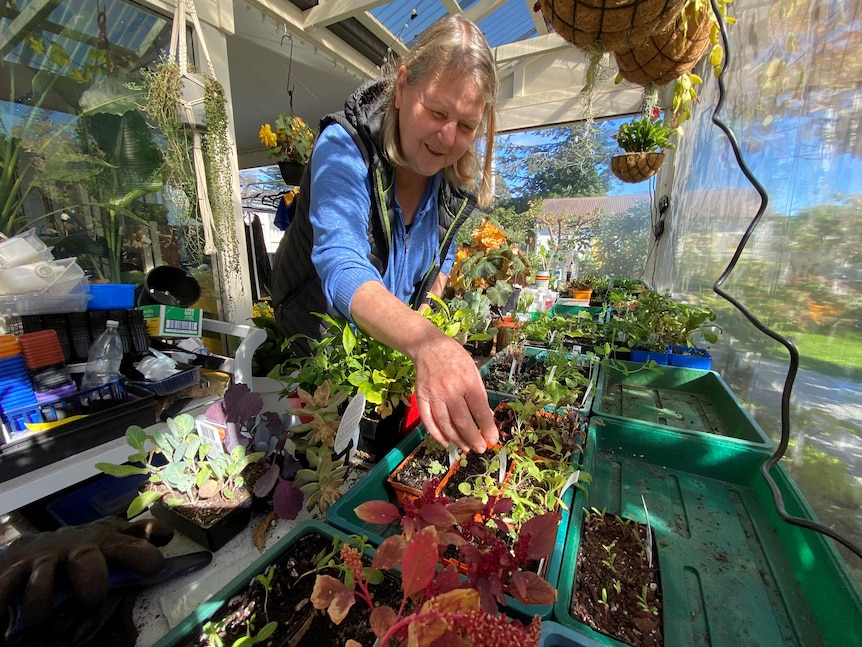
453, 44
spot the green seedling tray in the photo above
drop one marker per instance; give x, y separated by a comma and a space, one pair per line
732, 572
683, 399
373, 487
183, 632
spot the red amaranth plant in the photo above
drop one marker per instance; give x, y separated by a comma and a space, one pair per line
438, 606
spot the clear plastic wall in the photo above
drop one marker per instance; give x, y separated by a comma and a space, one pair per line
794, 102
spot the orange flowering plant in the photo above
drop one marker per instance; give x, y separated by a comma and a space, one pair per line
489, 264
291, 141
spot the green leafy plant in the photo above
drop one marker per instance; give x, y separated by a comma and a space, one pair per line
643, 601
357, 363
258, 638
657, 320
466, 319
183, 466
645, 135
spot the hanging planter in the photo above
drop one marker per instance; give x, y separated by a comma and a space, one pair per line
291, 172
636, 167
666, 55
609, 25
189, 109
643, 139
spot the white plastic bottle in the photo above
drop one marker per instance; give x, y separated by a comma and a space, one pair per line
104, 358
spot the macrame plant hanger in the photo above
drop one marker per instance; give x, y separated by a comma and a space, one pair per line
191, 107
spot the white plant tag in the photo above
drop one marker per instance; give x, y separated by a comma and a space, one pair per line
453, 454
648, 532
573, 478
587, 392
550, 378
349, 423
551, 339
512, 370
503, 464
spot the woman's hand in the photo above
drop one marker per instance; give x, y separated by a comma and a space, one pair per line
453, 403
452, 399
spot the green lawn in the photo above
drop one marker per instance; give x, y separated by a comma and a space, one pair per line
839, 353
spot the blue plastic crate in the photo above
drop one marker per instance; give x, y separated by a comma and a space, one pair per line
111, 296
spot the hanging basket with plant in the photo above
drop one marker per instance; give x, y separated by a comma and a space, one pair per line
291, 142
609, 25
666, 55
643, 139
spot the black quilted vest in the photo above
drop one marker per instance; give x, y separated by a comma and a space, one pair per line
297, 292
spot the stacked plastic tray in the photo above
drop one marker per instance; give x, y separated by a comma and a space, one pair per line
16, 389
33, 282
45, 361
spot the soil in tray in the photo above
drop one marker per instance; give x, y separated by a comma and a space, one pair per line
472, 465
426, 463
206, 512
614, 554
290, 606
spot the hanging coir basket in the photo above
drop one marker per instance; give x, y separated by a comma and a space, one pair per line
636, 167
665, 56
609, 25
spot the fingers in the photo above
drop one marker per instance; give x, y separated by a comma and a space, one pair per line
12, 581
484, 417
155, 531
134, 553
88, 573
39, 593
455, 421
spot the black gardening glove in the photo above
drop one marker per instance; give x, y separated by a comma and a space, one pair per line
77, 557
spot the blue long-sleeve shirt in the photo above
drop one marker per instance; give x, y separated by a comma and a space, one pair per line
339, 209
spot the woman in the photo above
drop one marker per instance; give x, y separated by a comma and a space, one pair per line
360, 250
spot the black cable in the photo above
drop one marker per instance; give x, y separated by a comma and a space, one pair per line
793, 367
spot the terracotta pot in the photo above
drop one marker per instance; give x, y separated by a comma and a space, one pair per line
403, 491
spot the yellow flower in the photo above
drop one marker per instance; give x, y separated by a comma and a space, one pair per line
262, 309
267, 136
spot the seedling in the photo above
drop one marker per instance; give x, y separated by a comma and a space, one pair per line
643, 602
265, 579
612, 556
251, 638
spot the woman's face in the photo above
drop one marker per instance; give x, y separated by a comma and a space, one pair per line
438, 119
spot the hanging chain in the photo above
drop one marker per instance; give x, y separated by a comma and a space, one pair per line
104, 44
